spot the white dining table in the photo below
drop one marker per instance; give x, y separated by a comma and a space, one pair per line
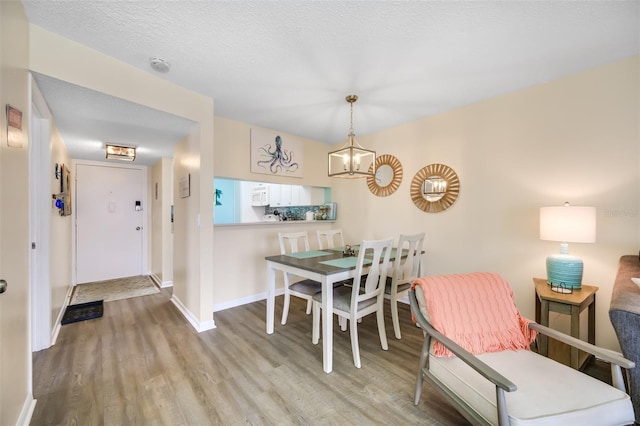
325, 266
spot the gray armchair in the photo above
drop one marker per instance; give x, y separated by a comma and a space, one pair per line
513, 386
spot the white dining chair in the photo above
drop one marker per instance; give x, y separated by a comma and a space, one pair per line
354, 302
402, 273
293, 242
329, 239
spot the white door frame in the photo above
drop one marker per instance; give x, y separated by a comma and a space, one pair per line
146, 208
40, 220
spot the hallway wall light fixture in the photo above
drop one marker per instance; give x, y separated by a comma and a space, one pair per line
123, 153
352, 160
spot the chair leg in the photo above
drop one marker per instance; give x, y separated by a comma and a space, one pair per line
355, 349
381, 331
309, 306
285, 308
315, 329
343, 323
423, 359
394, 315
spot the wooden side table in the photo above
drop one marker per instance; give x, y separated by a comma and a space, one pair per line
570, 304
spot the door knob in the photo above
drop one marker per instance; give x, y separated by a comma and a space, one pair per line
137, 228
3, 286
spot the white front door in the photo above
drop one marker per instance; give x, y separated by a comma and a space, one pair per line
109, 220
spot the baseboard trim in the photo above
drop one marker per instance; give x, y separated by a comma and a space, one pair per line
58, 324
243, 301
262, 296
27, 411
155, 279
195, 323
159, 282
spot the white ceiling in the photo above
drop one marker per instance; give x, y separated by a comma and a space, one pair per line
288, 65
87, 120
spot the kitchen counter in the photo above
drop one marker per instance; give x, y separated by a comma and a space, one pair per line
274, 222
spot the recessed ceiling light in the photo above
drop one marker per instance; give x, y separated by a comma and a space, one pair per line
159, 64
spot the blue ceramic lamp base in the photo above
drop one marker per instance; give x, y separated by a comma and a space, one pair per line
564, 271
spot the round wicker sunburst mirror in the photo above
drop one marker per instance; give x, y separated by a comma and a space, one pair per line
387, 177
435, 188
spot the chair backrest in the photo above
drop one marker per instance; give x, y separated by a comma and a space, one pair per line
377, 254
293, 242
407, 269
327, 239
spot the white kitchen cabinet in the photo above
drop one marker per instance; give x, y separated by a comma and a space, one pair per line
280, 195
295, 195
275, 195
298, 196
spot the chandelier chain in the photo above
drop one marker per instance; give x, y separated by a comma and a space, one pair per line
351, 126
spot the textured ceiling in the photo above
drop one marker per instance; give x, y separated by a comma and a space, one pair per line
288, 65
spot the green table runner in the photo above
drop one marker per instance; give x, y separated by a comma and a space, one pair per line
308, 254
345, 262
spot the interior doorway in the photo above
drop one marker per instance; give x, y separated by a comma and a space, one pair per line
110, 221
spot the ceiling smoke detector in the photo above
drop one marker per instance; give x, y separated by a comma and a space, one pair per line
159, 65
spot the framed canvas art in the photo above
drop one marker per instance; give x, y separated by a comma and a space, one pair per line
276, 154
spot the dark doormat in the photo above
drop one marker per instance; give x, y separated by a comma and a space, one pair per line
82, 312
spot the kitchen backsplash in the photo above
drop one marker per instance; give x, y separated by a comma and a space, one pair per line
326, 211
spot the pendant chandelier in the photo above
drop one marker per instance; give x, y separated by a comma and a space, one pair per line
352, 160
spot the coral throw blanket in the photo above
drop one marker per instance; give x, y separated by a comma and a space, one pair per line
475, 310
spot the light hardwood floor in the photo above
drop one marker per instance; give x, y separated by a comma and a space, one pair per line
143, 364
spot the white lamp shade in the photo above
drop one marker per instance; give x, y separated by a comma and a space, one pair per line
569, 224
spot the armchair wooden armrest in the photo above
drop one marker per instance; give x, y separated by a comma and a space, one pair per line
614, 358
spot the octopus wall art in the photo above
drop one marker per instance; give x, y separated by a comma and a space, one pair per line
276, 157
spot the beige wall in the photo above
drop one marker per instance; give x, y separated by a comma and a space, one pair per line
60, 235
232, 156
15, 350
240, 268
185, 219
575, 139
161, 229
58, 57
167, 225
155, 248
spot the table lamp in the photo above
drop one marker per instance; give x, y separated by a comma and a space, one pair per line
567, 224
